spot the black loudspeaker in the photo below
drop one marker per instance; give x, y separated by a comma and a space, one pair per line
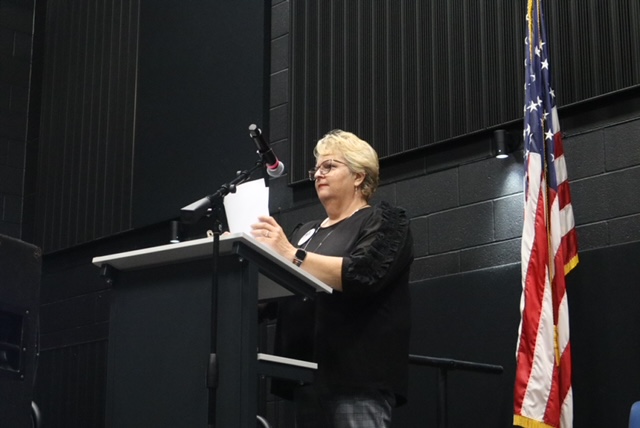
20, 270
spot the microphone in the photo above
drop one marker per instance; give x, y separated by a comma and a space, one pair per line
275, 168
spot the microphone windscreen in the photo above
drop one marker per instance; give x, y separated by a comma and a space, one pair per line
276, 170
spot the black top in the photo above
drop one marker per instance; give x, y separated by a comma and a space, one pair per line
360, 336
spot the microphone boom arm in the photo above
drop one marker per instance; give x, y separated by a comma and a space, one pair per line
193, 212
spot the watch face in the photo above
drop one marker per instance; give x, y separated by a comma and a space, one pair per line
301, 254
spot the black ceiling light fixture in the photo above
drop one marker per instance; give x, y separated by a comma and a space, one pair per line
502, 144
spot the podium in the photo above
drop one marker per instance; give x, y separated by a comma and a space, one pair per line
159, 338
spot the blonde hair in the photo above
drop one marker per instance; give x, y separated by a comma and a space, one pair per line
358, 154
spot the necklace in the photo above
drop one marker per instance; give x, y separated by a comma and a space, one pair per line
338, 221
321, 242
307, 237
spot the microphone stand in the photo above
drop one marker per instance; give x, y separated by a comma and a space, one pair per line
191, 214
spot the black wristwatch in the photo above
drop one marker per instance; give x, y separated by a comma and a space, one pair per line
299, 257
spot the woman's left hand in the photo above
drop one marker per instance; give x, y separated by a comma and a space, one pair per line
269, 232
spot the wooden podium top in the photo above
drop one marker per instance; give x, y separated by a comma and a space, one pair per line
199, 249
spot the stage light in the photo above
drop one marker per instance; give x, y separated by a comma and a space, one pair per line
502, 144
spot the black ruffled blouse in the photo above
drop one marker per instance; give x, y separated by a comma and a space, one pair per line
360, 336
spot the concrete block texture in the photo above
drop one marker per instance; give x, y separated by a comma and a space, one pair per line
430, 193
461, 228
622, 145
606, 196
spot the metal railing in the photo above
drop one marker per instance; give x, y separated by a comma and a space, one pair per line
444, 365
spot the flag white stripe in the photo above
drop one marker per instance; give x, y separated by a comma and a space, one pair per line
563, 323
560, 167
555, 121
535, 400
555, 227
567, 221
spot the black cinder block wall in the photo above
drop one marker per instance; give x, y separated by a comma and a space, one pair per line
465, 206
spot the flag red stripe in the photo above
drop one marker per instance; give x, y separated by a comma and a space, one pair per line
559, 149
531, 315
569, 248
564, 195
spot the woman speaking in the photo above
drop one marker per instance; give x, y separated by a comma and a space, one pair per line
358, 335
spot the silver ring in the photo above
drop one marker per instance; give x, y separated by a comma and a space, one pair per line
265, 233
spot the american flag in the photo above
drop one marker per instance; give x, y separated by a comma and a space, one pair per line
543, 395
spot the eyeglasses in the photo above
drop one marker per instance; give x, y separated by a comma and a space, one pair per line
324, 168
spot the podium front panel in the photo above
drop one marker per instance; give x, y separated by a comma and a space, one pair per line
158, 347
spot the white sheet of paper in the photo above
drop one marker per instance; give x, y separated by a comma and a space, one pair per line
243, 207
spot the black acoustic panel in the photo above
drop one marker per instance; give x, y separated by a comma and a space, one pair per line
201, 82
71, 386
409, 74
20, 267
86, 132
402, 74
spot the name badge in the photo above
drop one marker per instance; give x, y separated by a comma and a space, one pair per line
306, 237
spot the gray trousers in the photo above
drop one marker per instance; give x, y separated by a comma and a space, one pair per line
346, 408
